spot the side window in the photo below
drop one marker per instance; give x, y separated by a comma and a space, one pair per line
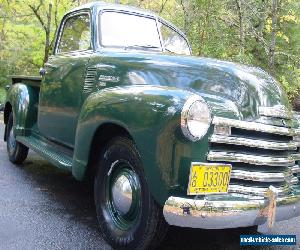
76, 34
173, 41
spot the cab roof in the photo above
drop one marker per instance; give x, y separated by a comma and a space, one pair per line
110, 6
99, 5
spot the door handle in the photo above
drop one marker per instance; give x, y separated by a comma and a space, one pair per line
42, 71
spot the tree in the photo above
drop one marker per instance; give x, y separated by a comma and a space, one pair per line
264, 33
46, 12
46, 25
240, 7
272, 48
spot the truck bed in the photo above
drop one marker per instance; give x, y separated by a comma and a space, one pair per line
29, 80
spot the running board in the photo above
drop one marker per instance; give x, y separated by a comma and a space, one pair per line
47, 151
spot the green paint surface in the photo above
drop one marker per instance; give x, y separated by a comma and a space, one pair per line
142, 92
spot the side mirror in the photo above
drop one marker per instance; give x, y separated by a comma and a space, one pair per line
42, 71
7, 87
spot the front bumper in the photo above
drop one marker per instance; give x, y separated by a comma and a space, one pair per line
230, 211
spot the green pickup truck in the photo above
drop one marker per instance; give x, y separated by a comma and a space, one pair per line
170, 139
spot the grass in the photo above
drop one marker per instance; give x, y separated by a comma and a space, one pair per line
2, 95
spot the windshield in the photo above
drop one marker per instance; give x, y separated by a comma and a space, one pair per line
129, 31
173, 41
125, 30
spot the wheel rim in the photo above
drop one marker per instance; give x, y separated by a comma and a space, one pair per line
123, 195
11, 140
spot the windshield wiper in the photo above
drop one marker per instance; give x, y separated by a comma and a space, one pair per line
146, 46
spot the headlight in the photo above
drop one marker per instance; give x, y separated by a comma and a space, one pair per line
195, 118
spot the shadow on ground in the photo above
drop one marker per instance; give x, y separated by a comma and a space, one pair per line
76, 200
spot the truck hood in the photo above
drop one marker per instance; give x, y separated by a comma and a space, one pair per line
231, 89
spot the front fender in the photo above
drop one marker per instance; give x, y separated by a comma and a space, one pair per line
22, 99
151, 115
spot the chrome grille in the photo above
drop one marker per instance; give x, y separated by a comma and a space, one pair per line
261, 154
89, 79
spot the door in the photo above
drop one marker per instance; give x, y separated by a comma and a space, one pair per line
62, 86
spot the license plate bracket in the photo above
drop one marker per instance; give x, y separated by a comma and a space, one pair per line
209, 178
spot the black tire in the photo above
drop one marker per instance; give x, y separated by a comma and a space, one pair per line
17, 152
142, 226
250, 230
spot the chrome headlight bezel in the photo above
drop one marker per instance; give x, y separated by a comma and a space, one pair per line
185, 118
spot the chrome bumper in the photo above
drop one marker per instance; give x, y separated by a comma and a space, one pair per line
227, 211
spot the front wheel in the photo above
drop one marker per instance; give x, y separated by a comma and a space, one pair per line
17, 152
128, 216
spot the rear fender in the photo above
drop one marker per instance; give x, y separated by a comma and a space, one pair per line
23, 100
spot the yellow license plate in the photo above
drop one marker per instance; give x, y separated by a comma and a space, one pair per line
209, 178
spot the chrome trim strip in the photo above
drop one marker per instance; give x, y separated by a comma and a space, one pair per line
251, 159
254, 126
260, 176
278, 111
296, 156
228, 211
260, 191
294, 180
295, 169
89, 81
233, 140
296, 115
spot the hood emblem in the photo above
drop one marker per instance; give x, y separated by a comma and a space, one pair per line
109, 78
105, 79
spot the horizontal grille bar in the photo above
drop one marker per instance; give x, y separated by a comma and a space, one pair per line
294, 180
261, 154
295, 169
259, 191
260, 176
254, 126
273, 145
278, 111
251, 159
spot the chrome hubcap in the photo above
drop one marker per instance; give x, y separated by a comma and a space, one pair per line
123, 200
122, 194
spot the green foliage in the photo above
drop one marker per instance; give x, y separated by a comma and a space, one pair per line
22, 37
2, 95
237, 30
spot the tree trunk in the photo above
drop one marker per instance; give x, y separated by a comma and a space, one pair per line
205, 26
48, 33
185, 15
2, 32
46, 25
240, 7
259, 35
163, 5
262, 17
3, 22
273, 35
